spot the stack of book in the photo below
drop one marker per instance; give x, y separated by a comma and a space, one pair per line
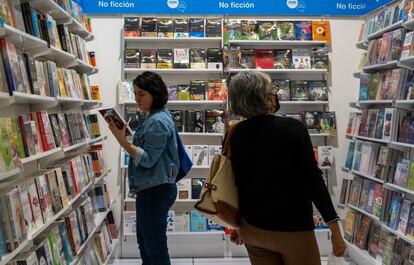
297, 58
385, 49
172, 27
199, 121
316, 121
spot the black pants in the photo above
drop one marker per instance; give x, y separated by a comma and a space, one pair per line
152, 206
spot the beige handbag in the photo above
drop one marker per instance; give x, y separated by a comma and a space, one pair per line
219, 200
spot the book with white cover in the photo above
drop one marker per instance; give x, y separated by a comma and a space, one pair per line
189, 151
130, 223
184, 189
170, 221
325, 156
35, 203
27, 209
181, 222
407, 48
213, 150
200, 156
388, 128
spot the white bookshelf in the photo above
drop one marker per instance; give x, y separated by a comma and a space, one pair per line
23, 40
84, 67
69, 100
276, 43
172, 41
289, 73
303, 103
365, 103
78, 29
409, 24
9, 174
375, 218
209, 233
201, 134
42, 155
396, 144
345, 169
5, 260
362, 45
52, 8
379, 67
115, 243
75, 146
61, 57
379, 34
372, 139
362, 256
25, 98
398, 234
394, 187
173, 71
367, 176
320, 135
407, 62
404, 104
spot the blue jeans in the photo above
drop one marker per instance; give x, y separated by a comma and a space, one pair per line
152, 206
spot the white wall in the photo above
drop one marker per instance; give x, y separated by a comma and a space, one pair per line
344, 58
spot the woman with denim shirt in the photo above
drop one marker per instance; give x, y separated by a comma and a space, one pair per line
152, 168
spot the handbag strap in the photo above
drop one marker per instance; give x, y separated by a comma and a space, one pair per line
226, 151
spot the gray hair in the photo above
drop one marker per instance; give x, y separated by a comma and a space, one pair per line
249, 92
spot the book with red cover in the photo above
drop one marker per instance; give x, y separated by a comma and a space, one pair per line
264, 59
45, 130
75, 178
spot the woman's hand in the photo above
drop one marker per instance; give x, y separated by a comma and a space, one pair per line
119, 134
235, 237
338, 243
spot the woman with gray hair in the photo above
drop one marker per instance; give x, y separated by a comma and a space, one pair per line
277, 177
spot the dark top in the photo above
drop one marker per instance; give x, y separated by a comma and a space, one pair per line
277, 175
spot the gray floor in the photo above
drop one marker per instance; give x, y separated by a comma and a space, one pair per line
221, 261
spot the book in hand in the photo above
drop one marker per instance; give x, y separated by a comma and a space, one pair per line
117, 118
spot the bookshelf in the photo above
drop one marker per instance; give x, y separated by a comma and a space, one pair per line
172, 41
286, 73
33, 165
172, 71
362, 45
380, 67
373, 217
379, 33
276, 43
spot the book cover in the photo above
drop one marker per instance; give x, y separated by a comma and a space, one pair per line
213, 27
170, 221
131, 27
197, 58
212, 226
57, 204
370, 198
299, 90
282, 59
178, 119
4, 87
165, 58
217, 90
311, 119
184, 189
45, 129
350, 155
8, 154
198, 222
264, 59
303, 30
380, 124
215, 58
248, 59
320, 58
249, 30
404, 216
301, 58
181, 58
183, 92
44, 197
200, 156
384, 52
149, 27
196, 186
362, 235
318, 91
15, 207
197, 90
24, 76
181, 28
213, 150
344, 192
194, 121
148, 58
189, 151
172, 92
396, 44
267, 30
410, 224
372, 122
165, 28
349, 225
321, 31
182, 222
407, 48
401, 173
42, 258
231, 30
231, 57
363, 86
325, 156
286, 30
388, 124
11, 64
215, 121
131, 58
373, 240
363, 200
394, 211
355, 192
64, 130
282, 88
196, 27
379, 19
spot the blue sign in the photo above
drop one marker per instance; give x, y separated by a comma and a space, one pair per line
233, 7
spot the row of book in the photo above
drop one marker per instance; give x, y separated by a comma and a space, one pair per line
236, 29
384, 246
199, 121
373, 123
385, 49
230, 57
316, 121
386, 85
59, 247
20, 72
388, 16
33, 203
384, 163
298, 90
37, 132
172, 28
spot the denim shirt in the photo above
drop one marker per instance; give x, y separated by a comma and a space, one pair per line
156, 161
